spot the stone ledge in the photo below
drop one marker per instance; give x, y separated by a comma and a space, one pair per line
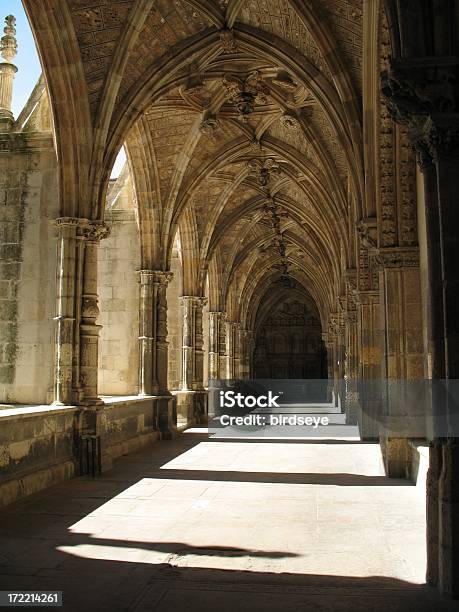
17, 488
9, 412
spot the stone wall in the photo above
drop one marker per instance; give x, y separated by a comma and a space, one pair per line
41, 446
118, 283
28, 204
37, 449
127, 426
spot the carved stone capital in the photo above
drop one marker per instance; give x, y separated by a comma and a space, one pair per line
72, 222
96, 231
196, 300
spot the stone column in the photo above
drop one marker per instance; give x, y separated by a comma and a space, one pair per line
215, 324
244, 344
412, 85
8, 51
443, 132
192, 343
329, 345
89, 330
166, 407
146, 336
192, 399
67, 229
223, 346
401, 314
351, 366
231, 348
369, 363
237, 350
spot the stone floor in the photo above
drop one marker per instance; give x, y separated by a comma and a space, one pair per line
195, 524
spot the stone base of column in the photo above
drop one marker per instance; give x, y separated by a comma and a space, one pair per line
90, 457
192, 407
166, 416
397, 456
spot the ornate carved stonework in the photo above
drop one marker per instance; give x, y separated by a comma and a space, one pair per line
398, 258
96, 231
228, 42
246, 93
289, 121
209, 123
264, 170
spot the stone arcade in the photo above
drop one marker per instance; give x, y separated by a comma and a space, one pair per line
288, 209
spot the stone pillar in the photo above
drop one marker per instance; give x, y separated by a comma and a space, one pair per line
443, 131
192, 343
153, 346
351, 366
192, 399
215, 323
244, 344
237, 350
8, 51
66, 314
231, 349
401, 314
369, 363
146, 337
417, 98
89, 330
329, 345
223, 347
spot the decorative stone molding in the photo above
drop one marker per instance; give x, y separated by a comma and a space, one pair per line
209, 123
290, 121
264, 170
397, 258
246, 93
95, 231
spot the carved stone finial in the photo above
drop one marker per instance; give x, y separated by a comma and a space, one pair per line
8, 42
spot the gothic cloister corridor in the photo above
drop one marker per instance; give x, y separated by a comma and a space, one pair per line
197, 523
229, 305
